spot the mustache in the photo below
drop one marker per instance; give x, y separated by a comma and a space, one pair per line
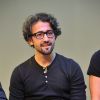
46, 44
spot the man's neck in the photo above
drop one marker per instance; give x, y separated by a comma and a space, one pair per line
44, 60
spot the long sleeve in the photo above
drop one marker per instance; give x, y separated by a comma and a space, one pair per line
2, 93
16, 86
77, 83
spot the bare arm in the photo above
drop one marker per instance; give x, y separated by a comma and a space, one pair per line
94, 83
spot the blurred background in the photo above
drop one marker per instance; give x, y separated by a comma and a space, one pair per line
79, 21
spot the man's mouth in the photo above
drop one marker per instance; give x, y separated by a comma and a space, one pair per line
46, 44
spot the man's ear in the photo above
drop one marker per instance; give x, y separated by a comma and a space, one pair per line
30, 41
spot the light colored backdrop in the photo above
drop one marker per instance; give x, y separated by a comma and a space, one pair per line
79, 21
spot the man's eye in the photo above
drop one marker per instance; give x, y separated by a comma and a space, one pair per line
50, 32
39, 34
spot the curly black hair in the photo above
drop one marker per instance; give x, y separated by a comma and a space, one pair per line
44, 17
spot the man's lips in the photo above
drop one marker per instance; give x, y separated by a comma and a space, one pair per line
46, 44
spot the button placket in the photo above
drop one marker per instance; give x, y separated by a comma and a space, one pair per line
45, 75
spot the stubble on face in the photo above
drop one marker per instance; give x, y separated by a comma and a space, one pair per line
47, 48
44, 46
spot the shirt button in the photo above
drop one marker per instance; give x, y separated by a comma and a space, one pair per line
46, 81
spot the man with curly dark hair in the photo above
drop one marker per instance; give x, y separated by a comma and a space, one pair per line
46, 75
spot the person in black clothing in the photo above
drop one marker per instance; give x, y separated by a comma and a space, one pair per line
2, 93
94, 76
46, 75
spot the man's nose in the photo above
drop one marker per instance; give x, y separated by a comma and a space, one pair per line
46, 37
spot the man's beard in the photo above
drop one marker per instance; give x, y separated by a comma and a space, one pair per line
46, 50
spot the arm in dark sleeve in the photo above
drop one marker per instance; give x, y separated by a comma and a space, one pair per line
2, 93
77, 83
16, 86
94, 66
